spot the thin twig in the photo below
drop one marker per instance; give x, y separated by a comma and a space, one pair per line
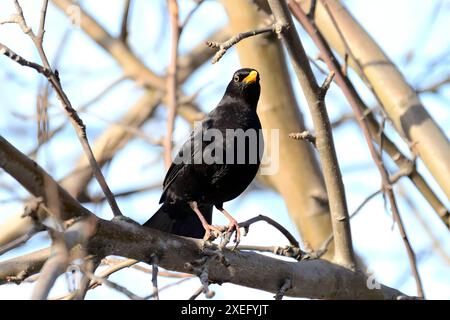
128, 262
129, 129
246, 224
305, 135
190, 14
315, 64
167, 286
197, 293
435, 87
171, 80
155, 281
120, 194
20, 60
437, 246
124, 25
113, 285
285, 287
119, 266
342, 119
326, 244
224, 46
22, 239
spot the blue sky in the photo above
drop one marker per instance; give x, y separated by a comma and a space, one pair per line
398, 26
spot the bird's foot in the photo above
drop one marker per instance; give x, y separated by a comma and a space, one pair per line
211, 232
224, 233
227, 233
235, 225
232, 225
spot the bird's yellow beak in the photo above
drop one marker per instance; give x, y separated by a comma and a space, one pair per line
251, 77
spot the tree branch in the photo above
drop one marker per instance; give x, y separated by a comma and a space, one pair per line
312, 278
305, 135
171, 80
124, 25
324, 139
224, 46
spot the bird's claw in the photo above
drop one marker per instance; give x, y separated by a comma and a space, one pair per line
234, 225
211, 233
224, 233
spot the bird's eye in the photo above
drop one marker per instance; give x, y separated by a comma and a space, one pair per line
236, 78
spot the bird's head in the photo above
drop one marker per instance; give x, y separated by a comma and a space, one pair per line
245, 85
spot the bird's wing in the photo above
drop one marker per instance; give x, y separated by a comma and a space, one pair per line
188, 151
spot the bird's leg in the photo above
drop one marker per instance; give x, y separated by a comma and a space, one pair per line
208, 228
232, 225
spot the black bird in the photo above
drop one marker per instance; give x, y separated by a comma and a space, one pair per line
208, 172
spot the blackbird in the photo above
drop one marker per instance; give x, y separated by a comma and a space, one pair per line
216, 164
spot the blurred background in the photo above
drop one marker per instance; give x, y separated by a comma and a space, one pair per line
413, 33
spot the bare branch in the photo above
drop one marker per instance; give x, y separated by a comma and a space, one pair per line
14, 56
224, 46
155, 278
113, 285
124, 25
312, 278
18, 269
283, 230
286, 286
305, 135
171, 81
435, 87
190, 14
21, 240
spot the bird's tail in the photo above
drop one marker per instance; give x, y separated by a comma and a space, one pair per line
180, 219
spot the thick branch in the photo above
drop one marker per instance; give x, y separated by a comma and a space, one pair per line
317, 279
312, 279
18, 269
